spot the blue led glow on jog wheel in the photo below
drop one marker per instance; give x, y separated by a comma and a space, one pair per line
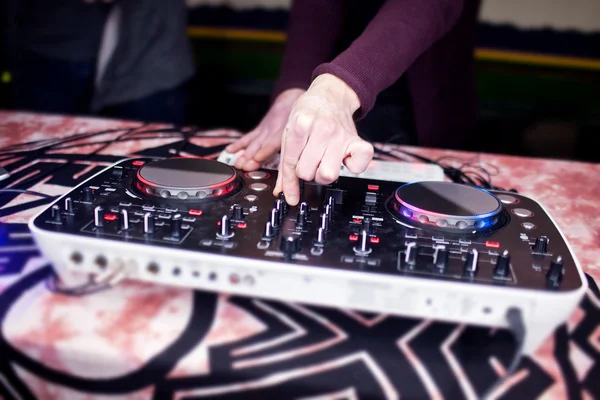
447, 206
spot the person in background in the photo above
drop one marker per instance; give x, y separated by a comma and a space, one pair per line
124, 59
386, 70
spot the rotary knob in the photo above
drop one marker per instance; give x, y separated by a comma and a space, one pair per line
274, 219
324, 222
502, 268
541, 245
268, 233
99, 217
238, 213
472, 262
149, 226
88, 194
124, 220
410, 254
176, 226
301, 220
320, 241
290, 245
555, 272
440, 257
224, 228
69, 205
55, 213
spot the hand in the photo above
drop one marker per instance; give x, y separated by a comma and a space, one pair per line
319, 136
264, 141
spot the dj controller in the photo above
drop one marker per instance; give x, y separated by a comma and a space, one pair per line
436, 250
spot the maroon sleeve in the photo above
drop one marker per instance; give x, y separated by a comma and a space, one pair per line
313, 29
400, 32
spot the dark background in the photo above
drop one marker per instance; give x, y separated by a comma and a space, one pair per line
528, 107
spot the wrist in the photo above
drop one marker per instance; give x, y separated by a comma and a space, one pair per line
331, 86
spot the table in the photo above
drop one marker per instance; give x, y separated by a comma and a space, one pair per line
139, 341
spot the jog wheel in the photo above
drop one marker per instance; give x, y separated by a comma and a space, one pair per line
187, 179
447, 206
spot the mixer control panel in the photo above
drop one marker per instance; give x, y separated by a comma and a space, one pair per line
424, 230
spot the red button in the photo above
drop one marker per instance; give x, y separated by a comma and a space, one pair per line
110, 217
242, 225
195, 212
358, 220
138, 163
354, 238
374, 240
373, 187
492, 244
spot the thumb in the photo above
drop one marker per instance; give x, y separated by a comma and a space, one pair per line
359, 154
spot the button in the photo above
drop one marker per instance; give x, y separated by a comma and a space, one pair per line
507, 199
138, 163
259, 187
373, 263
206, 242
373, 187
257, 175
110, 217
171, 210
189, 219
347, 259
375, 240
492, 244
195, 212
353, 238
522, 212
125, 204
528, 225
251, 197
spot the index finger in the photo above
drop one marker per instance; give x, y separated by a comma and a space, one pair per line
295, 136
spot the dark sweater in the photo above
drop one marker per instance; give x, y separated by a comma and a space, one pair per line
372, 44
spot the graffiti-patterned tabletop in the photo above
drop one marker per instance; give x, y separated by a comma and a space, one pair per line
139, 341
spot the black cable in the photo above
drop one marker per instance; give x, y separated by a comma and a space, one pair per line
25, 191
517, 327
82, 290
467, 173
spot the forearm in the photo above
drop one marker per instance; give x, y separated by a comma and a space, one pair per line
313, 29
400, 32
